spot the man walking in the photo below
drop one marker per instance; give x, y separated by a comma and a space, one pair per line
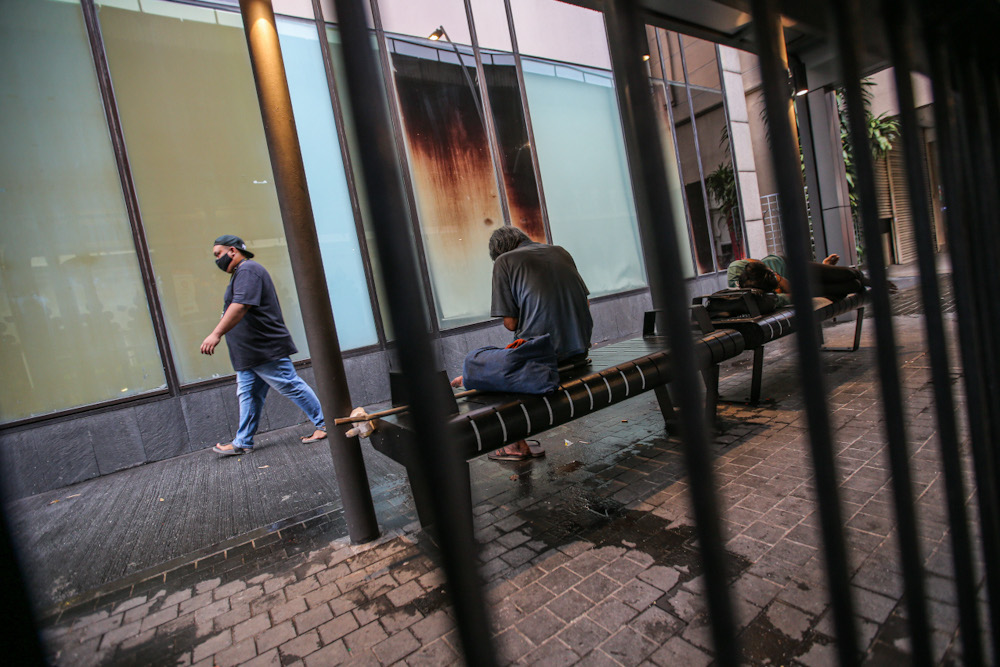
537, 290
259, 345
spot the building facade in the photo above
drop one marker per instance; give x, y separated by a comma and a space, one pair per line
133, 138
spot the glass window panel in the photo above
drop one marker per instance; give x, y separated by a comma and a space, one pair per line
691, 177
713, 139
588, 194
453, 179
682, 230
702, 65
331, 201
492, 30
337, 54
561, 31
200, 165
515, 149
420, 18
75, 327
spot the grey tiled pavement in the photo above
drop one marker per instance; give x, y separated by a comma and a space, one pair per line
589, 554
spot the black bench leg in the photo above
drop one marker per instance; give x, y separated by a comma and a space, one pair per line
422, 496
857, 335
666, 408
758, 372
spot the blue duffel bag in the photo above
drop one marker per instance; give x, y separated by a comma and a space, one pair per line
529, 367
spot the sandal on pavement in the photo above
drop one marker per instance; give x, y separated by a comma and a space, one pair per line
502, 455
309, 439
232, 451
536, 449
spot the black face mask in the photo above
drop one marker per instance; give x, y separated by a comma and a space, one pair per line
223, 262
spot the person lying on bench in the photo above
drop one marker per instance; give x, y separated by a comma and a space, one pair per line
828, 280
537, 290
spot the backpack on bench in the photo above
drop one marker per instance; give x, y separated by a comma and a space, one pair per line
739, 302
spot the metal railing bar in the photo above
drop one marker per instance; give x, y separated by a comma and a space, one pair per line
438, 463
846, 21
626, 40
901, 50
973, 351
794, 225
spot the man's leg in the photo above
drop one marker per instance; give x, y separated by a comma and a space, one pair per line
281, 375
251, 390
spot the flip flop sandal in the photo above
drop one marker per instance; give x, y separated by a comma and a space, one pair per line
309, 439
501, 455
536, 449
235, 451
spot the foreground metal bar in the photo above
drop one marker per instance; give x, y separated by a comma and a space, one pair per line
846, 15
794, 227
19, 632
901, 49
626, 37
439, 464
307, 263
970, 320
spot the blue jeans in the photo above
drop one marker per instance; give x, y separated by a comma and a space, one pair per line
251, 390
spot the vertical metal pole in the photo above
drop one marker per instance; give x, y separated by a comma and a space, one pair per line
626, 38
441, 467
970, 320
896, 15
307, 263
785, 156
845, 15
19, 632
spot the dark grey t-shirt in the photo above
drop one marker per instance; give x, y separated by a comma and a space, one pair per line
540, 285
261, 336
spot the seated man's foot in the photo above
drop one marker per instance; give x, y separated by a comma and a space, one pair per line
832, 259
318, 434
517, 451
231, 450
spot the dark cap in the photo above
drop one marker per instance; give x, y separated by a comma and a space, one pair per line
234, 241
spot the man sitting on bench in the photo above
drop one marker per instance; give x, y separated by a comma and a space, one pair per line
831, 281
537, 290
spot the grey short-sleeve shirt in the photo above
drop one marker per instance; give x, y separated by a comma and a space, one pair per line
540, 286
261, 336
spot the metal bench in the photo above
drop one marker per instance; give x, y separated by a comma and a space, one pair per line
758, 330
616, 372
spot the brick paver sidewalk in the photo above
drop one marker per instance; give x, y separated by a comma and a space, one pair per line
589, 554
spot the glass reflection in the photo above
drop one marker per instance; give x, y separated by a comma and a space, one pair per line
452, 172
75, 327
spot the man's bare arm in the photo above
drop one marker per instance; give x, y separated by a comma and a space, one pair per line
230, 319
510, 323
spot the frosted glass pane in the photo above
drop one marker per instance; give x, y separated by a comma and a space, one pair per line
331, 201
420, 18
453, 179
201, 168
74, 322
581, 154
561, 31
